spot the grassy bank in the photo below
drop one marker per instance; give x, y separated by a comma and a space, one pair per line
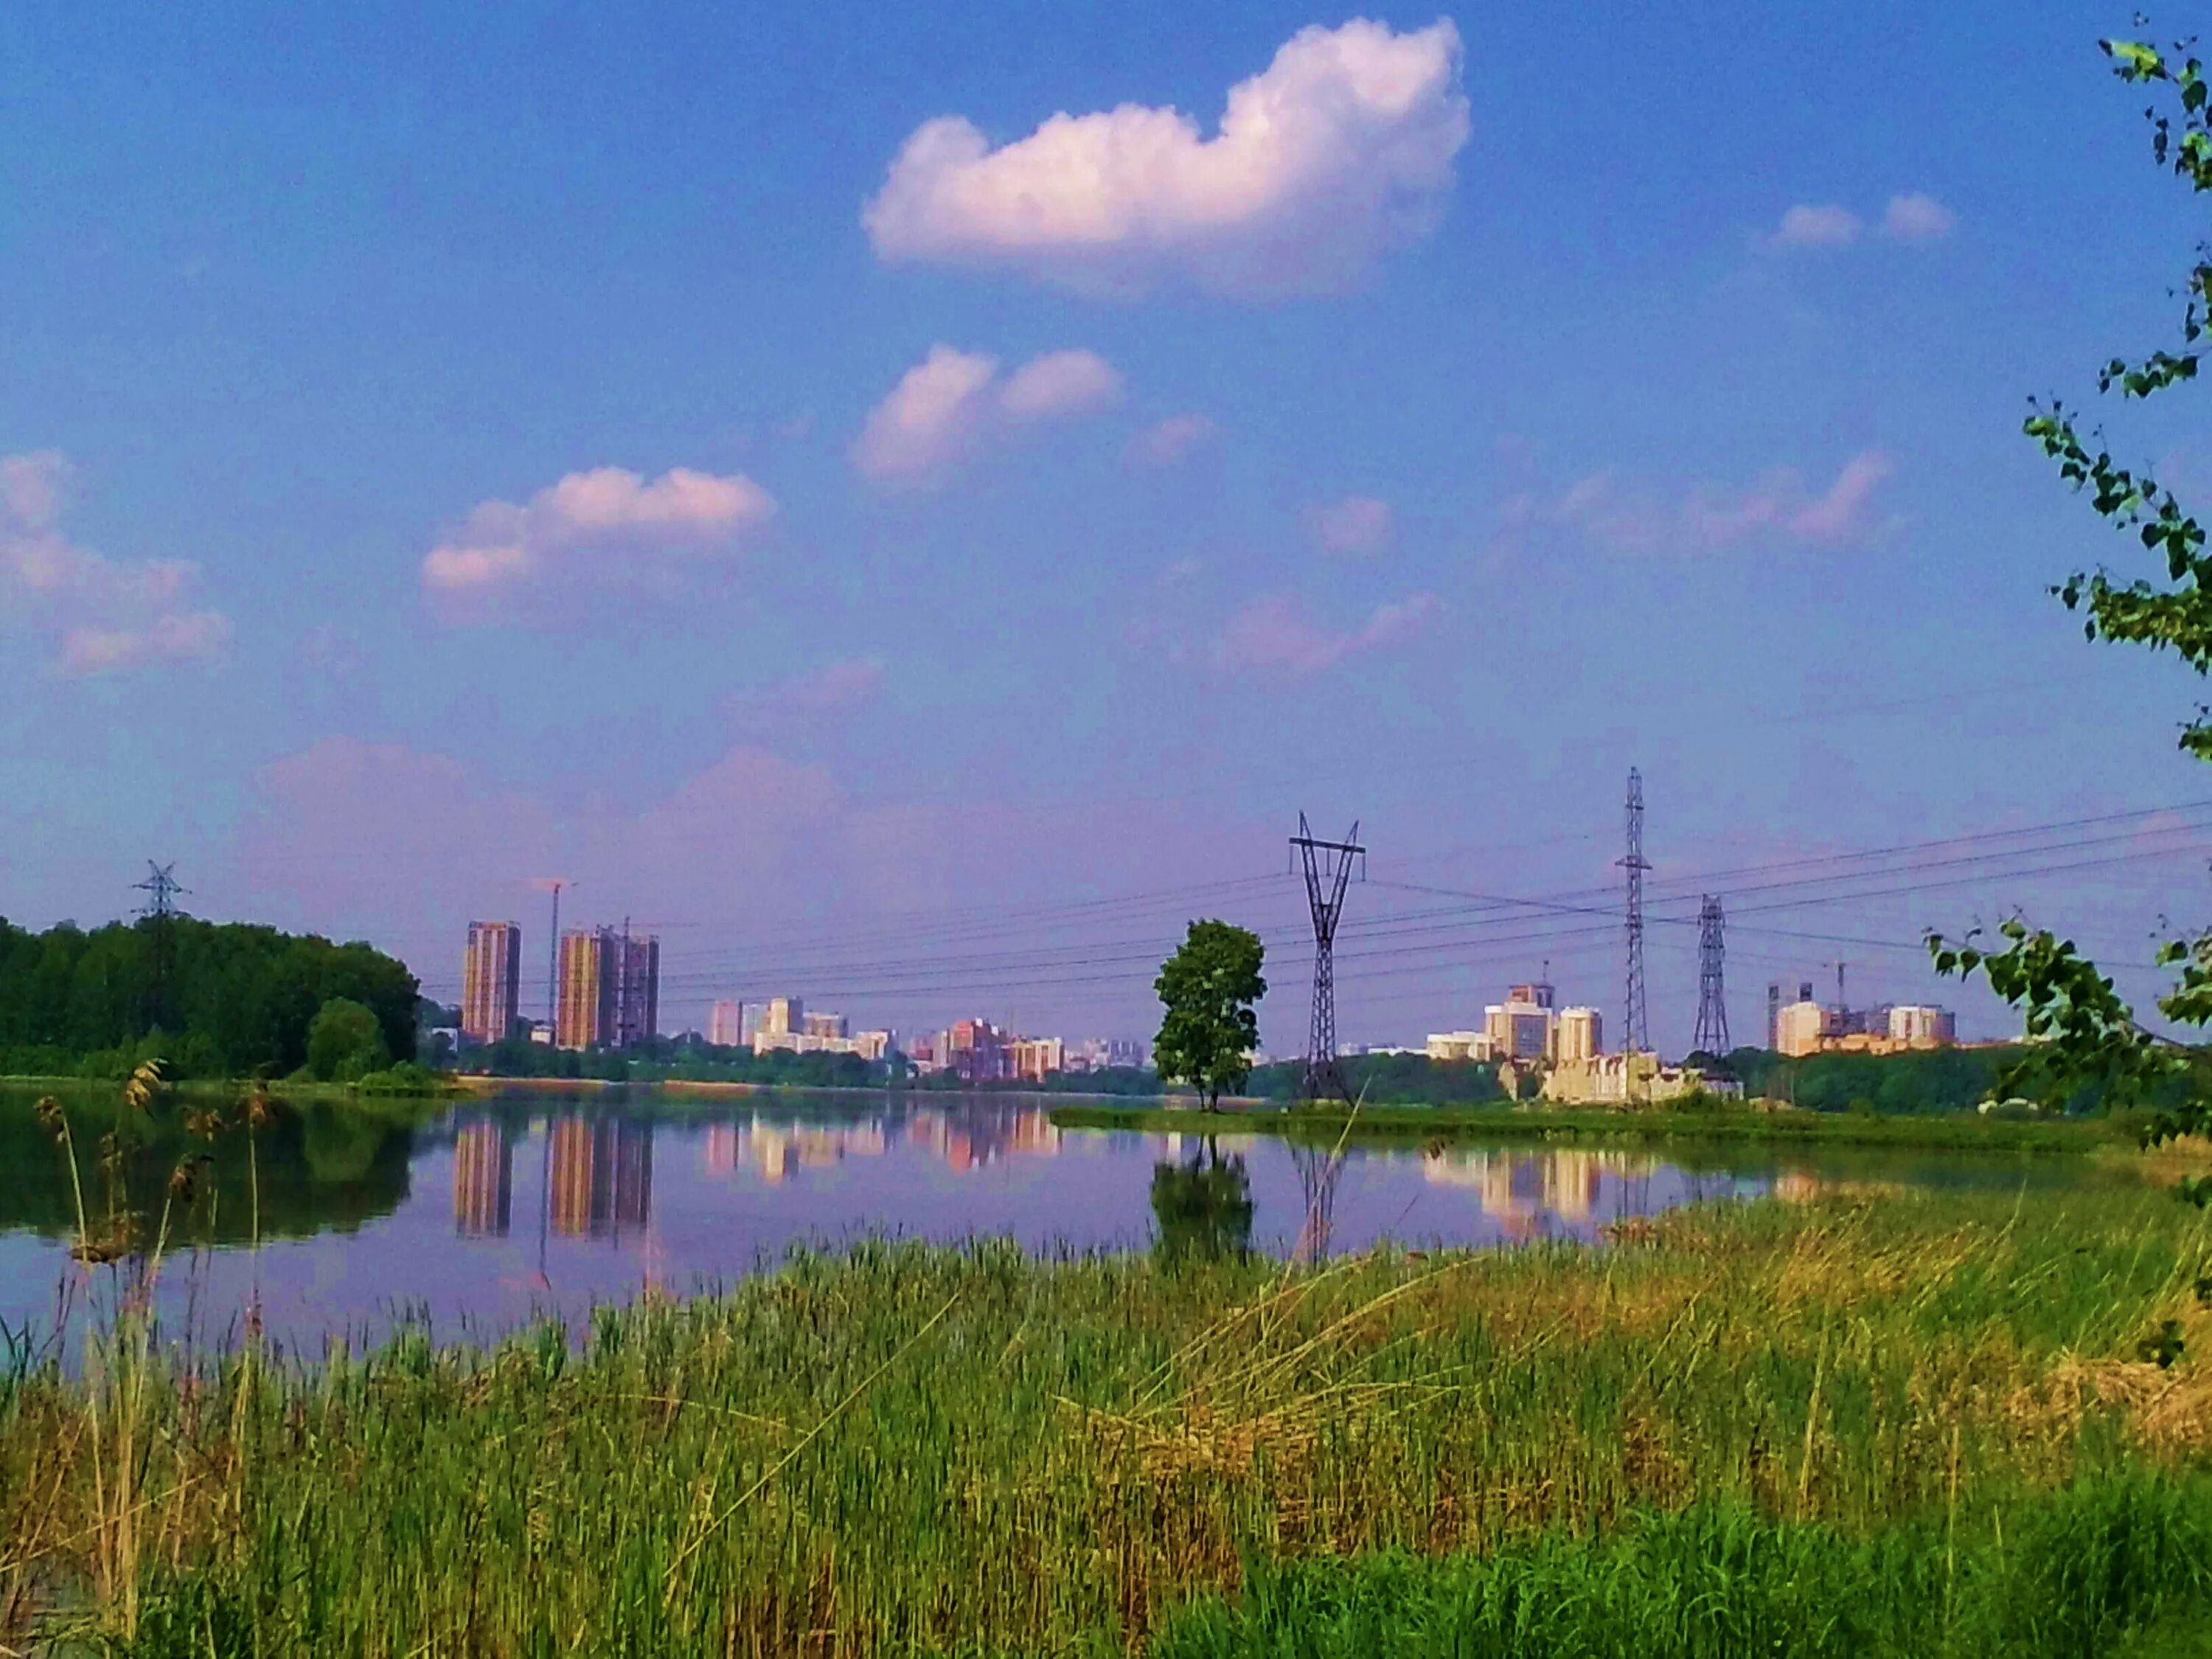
1957, 1132
973, 1451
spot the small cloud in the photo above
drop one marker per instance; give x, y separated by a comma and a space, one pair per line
1182, 573
1809, 226
1356, 525
606, 525
1917, 218
1342, 148
1171, 442
837, 688
200, 636
33, 486
1777, 510
1277, 633
950, 406
105, 615
1060, 383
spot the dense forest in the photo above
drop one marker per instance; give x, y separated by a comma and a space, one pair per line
231, 1000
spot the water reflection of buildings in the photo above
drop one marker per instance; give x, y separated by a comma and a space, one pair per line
601, 1179
775, 1149
1518, 1189
975, 1139
483, 1179
964, 1139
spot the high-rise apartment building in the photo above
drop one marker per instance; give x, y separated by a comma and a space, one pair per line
491, 980
825, 1025
610, 989
726, 1025
583, 1014
786, 1017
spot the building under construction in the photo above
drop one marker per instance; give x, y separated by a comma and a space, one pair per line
608, 992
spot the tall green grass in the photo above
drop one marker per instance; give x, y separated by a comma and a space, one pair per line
970, 1450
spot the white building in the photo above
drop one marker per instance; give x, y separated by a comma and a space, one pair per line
1801, 1027
1630, 1079
1458, 1045
1922, 1026
1579, 1036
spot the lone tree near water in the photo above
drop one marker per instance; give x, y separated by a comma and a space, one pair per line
1208, 987
2084, 1035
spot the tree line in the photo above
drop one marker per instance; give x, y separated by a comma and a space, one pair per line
212, 999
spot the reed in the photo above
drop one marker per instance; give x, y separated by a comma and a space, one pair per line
904, 1448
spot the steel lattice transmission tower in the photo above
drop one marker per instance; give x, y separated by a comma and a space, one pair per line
1712, 1037
1328, 868
1636, 1026
161, 889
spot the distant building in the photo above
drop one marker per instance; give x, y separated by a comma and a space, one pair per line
1579, 1036
491, 980
824, 1025
874, 1045
977, 1050
1458, 1045
1919, 1026
609, 989
1520, 1028
1630, 1079
1801, 1027
785, 1017
726, 1025
1033, 1058
582, 1016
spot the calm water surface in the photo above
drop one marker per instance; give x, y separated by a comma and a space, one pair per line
528, 1203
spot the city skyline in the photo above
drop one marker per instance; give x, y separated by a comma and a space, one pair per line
660, 492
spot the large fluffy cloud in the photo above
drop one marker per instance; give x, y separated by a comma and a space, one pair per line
608, 525
1343, 146
103, 616
953, 403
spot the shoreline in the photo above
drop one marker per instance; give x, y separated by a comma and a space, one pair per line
1947, 1132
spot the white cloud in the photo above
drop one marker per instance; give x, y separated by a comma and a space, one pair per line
33, 487
819, 695
605, 525
1823, 226
1278, 633
1779, 511
196, 636
1341, 148
1917, 218
1061, 383
1357, 523
1914, 217
104, 614
951, 403
1172, 441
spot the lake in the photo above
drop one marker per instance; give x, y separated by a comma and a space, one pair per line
530, 1203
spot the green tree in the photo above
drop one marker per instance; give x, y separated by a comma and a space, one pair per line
2085, 1037
1208, 987
345, 1043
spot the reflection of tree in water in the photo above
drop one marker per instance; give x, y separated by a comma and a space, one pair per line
323, 1168
1203, 1209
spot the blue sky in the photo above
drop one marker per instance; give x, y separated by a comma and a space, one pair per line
1477, 425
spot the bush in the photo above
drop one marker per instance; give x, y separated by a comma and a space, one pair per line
345, 1043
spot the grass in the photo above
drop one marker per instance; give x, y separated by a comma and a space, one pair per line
1776, 1419
1946, 1131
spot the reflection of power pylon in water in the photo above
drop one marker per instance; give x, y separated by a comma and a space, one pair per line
1318, 1169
